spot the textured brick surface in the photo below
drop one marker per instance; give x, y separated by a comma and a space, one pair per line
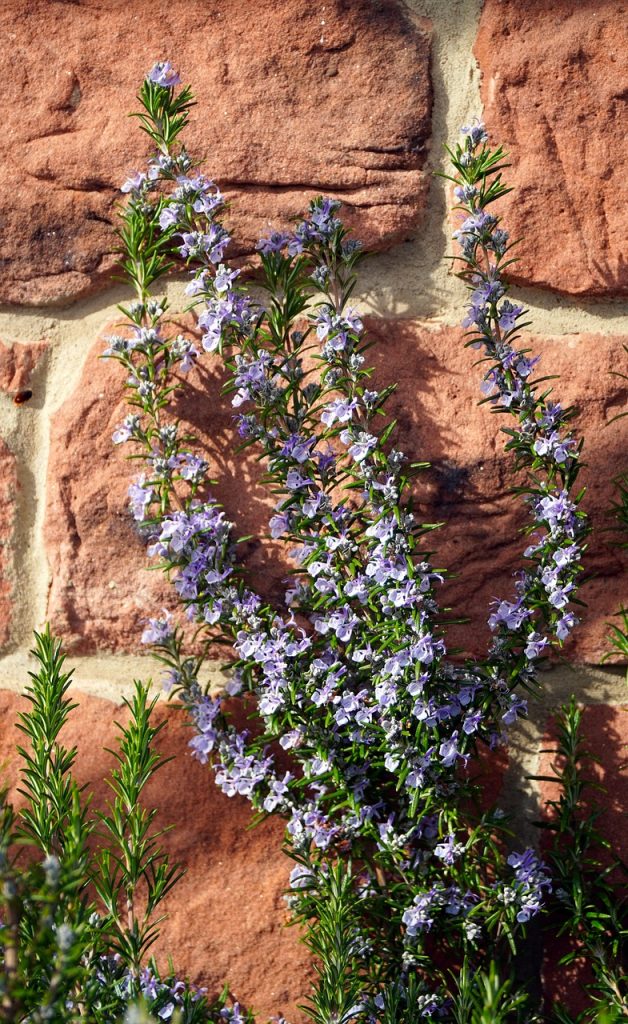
269, 89
296, 99
605, 730
554, 89
227, 916
101, 591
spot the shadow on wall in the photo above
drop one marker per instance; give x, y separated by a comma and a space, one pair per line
467, 486
605, 730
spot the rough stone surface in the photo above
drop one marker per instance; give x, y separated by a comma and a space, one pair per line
17, 363
297, 100
101, 590
227, 916
605, 730
8, 492
559, 109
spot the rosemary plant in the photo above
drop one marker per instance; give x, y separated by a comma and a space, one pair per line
399, 872
589, 903
79, 892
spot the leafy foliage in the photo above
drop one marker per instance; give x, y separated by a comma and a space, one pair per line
589, 904
79, 892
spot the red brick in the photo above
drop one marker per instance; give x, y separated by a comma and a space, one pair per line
554, 83
440, 420
102, 590
269, 87
605, 732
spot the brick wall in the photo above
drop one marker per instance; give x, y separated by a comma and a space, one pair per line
355, 99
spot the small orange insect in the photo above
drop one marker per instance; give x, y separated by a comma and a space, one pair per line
22, 396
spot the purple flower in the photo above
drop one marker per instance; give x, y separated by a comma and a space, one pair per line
566, 556
465, 193
357, 588
322, 212
279, 790
279, 524
557, 510
295, 480
476, 132
552, 444
224, 278
360, 445
198, 244
128, 429
341, 622
214, 318
135, 183
170, 216
162, 73
509, 614
559, 597
472, 722
508, 315
182, 350
342, 410
291, 739
337, 329
449, 850
158, 631
275, 242
448, 751
141, 497
233, 1014
194, 468
301, 877
517, 706
420, 916
565, 625
531, 878
535, 645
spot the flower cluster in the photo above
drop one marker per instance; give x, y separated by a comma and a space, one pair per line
164, 997
531, 879
352, 677
540, 441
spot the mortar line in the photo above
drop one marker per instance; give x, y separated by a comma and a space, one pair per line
593, 686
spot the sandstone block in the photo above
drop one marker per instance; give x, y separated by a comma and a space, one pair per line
554, 87
292, 102
17, 363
